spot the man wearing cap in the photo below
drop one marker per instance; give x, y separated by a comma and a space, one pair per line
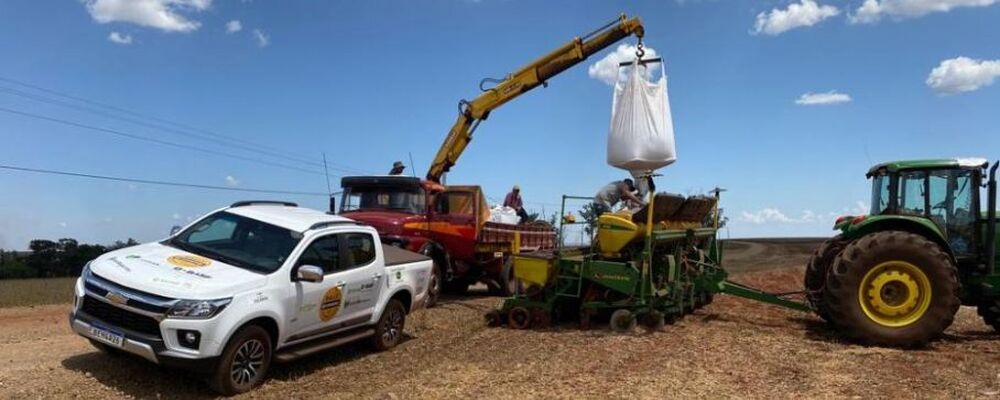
613, 193
397, 168
513, 200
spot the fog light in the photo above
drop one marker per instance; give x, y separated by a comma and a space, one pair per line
189, 339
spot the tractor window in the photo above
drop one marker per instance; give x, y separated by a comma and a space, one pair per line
911, 195
880, 194
939, 196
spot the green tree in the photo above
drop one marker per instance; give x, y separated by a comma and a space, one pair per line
589, 213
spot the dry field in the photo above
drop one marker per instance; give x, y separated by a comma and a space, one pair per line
732, 348
31, 292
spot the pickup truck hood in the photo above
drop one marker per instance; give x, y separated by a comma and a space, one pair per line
170, 272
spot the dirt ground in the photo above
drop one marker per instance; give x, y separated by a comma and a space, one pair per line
732, 348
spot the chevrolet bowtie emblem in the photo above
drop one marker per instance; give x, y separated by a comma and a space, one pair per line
116, 298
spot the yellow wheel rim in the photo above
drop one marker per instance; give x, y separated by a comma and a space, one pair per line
895, 294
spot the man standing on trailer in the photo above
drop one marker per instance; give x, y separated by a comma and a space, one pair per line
513, 200
397, 168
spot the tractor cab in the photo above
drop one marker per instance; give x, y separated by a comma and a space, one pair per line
945, 192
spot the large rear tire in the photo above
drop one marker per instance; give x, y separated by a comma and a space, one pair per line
435, 285
892, 288
816, 272
990, 311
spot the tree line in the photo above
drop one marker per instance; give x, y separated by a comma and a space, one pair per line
53, 259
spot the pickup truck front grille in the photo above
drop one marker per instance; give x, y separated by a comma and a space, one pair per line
118, 317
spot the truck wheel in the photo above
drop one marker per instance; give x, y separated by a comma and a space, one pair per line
390, 326
892, 288
990, 311
434, 285
244, 362
816, 271
509, 285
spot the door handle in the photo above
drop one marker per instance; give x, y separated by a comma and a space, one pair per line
376, 277
341, 283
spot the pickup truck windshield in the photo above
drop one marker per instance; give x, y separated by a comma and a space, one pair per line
238, 241
404, 199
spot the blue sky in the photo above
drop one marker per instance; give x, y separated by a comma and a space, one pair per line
369, 82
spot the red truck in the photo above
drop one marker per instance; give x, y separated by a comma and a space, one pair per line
449, 224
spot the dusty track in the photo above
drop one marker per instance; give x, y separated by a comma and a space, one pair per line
732, 348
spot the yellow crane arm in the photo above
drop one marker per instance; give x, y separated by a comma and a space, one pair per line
521, 81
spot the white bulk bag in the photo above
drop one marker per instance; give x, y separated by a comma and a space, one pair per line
641, 137
504, 215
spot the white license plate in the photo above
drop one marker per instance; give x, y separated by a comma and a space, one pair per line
107, 336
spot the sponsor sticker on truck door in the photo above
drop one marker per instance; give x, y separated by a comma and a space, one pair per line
330, 304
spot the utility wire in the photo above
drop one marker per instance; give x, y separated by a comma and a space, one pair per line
90, 110
238, 142
155, 182
153, 140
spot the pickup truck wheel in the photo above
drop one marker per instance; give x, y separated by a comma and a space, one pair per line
244, 362
434, 285
389, 330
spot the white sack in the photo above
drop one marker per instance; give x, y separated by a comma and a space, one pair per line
504, 215
641, 137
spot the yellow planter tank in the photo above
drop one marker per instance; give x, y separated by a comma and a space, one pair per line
532, 271
615, 231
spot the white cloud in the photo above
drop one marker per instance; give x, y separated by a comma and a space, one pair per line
873, 10
831, 97
120, 38
262, 39
607, 69
963, 74
232, 181
771, 215
234, 26
797, 15
159, 14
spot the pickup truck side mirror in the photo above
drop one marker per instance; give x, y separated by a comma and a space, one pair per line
174, 229
309, 273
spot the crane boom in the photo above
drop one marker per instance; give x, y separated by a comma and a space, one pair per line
521, 81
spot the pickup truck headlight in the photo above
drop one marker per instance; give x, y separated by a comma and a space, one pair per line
197, 309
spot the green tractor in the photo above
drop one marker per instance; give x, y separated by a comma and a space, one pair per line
896, 277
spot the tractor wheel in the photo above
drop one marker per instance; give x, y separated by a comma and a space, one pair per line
816, 271
519, 318
990, 311
493, 318
654, 321
892, 288
622, 321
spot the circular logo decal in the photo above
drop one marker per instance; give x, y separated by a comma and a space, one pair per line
330, 305
189, 261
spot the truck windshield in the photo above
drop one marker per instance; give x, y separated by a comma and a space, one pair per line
405, 199
239, 241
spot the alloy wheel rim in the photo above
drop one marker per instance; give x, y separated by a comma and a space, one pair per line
392, 327
245, 368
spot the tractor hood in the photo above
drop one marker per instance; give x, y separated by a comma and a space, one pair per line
856, 225
170, 272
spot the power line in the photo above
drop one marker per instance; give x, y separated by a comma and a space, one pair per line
229, 140
155, 182
33, 97
154, 140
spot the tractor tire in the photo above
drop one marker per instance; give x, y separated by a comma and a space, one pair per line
622, 321
435, 286
816, 272
519, 318
892, 288
990, 311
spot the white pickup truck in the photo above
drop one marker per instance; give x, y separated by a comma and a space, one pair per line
246, 285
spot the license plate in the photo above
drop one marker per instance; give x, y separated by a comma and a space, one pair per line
107, 336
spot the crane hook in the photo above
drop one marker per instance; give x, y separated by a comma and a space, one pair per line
639, 51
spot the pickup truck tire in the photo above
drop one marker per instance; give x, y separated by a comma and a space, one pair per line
389, 329
244, 362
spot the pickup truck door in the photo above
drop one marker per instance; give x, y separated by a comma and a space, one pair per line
347, 295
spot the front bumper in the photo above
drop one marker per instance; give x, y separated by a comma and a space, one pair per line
149, 348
